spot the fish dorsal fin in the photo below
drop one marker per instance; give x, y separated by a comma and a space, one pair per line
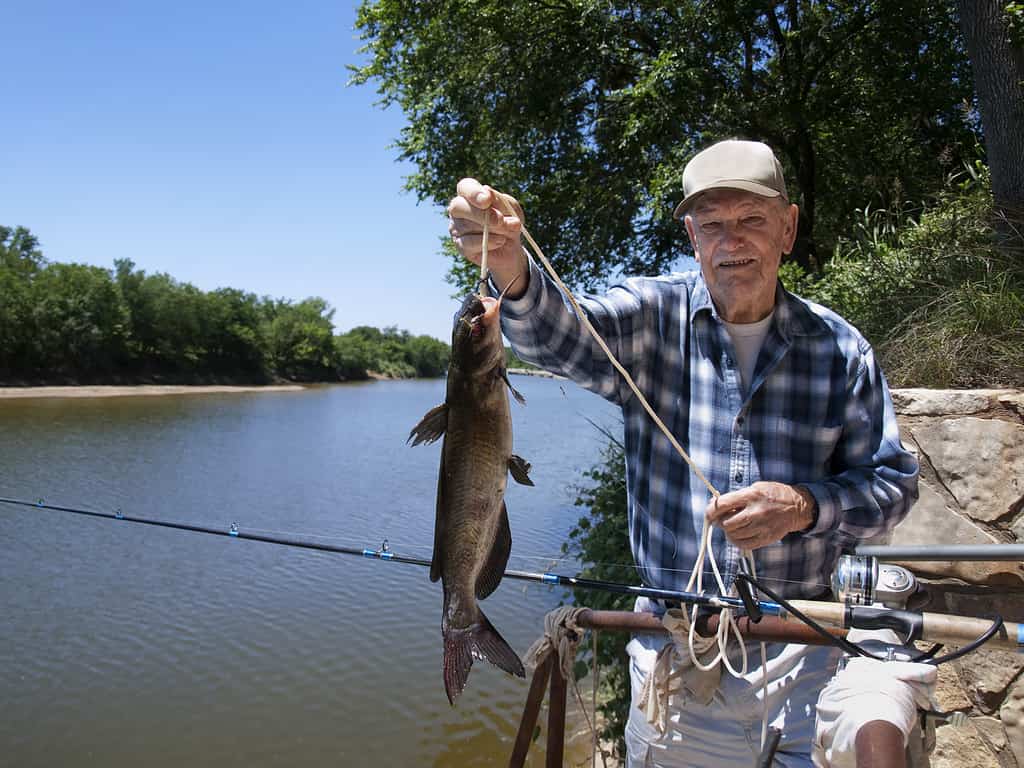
520, 469
431, 426
494, 568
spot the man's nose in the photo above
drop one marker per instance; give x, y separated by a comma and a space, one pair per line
731, 238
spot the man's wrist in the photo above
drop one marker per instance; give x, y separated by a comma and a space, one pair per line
807, 511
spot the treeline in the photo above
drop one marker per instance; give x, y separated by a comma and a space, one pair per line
80, 323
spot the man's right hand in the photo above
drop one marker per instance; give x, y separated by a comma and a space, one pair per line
506, 259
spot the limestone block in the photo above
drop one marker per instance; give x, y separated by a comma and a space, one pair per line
944, 402
980, 462
987, 674
1012, 715
992, 731
931, 521
1014, 401
949, 692
961, 748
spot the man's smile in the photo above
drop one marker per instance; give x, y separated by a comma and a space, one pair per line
739, 261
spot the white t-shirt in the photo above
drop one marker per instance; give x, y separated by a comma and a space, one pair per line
747, 339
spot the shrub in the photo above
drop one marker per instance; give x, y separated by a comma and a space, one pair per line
938, 291
601, 542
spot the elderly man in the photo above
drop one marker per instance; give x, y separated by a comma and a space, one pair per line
778, 400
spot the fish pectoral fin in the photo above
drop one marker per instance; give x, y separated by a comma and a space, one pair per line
520, 469
494, 568
431, 426
515, 393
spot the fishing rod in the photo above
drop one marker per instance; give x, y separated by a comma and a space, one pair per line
385, 553
942, 628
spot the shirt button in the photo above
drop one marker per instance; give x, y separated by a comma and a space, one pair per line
739, 477
739, 421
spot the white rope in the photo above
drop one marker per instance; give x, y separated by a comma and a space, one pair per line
483, 252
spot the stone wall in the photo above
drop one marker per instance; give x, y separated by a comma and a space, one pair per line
971, 448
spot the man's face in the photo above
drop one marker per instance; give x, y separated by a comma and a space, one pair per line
739, 238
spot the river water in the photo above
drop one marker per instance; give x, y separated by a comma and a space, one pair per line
129, 645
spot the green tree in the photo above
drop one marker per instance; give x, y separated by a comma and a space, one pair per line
354, 356
15, 323
78, 322
588, 111
231, 334
19, 251
301, 339
427, 355
994, 30
165, 322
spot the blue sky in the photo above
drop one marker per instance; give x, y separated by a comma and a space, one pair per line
217, 142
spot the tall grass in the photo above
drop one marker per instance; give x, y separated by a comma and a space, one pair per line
937, 290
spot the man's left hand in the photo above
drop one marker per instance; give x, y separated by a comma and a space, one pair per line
761, 514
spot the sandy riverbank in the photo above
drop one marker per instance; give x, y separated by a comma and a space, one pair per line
138, 390
535, 372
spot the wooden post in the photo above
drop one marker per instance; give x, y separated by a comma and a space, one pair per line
556, 715
534, 699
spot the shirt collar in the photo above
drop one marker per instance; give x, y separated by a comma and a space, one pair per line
792, 316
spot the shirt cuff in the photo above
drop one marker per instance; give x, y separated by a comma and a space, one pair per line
827, 513
522, 307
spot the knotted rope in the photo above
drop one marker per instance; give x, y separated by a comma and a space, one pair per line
562, 637
675, 671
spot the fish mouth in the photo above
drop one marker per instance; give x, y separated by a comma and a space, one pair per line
491, 310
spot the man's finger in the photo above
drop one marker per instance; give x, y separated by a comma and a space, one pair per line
472, 245
466, 218
476, 194
736, 522
726, 504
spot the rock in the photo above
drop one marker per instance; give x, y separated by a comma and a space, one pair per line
949, 693
1014, 401
992, 731
987, 480
987, 674
931, 521
945, 402
1012, 715
961, 748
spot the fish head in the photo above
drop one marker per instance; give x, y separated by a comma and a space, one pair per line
476, 336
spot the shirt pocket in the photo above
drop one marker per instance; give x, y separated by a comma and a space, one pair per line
793, 451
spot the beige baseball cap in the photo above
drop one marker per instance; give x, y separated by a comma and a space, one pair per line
732, 164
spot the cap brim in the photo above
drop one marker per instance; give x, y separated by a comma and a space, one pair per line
742, 184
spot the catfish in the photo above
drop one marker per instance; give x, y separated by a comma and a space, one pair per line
472, 537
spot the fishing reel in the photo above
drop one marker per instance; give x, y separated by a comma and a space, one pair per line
860, 580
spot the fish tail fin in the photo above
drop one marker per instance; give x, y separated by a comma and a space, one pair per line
480, 640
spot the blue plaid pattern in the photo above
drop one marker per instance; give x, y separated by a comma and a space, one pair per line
818, 414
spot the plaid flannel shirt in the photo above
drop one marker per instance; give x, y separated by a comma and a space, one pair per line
818, 414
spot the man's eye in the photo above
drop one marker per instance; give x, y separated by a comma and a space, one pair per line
710, 227
753, 221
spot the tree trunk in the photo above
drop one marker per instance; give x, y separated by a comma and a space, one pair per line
998, 66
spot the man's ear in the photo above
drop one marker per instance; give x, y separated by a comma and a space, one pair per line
692, 232
792, 217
